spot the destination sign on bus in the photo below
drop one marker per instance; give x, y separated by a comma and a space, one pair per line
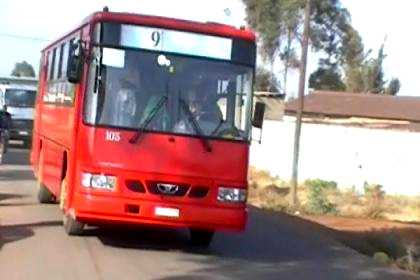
116, 35
176, 41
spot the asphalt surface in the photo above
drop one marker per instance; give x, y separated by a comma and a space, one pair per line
33, 245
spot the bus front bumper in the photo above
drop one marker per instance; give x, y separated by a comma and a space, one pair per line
96, 209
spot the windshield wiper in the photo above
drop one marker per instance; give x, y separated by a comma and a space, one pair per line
148, 119
197, 128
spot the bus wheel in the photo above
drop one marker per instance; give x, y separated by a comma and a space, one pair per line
72, 226
201, 238
44, 195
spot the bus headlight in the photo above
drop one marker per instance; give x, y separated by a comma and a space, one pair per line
231, 194
98, 181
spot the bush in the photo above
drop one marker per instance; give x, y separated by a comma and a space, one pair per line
374, 200
318, 202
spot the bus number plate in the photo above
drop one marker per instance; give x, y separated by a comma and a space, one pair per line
167, 212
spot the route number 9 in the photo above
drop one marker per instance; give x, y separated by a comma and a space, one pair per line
156, 38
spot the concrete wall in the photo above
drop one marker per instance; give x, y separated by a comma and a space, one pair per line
348, 155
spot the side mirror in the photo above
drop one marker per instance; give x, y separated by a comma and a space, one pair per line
258, 118
75, 62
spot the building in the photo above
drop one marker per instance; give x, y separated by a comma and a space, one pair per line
349, 138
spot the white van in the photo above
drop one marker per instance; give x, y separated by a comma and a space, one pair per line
19, 101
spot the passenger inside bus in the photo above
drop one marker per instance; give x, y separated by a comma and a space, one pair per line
126, 110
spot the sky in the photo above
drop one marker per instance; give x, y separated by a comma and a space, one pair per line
375, 20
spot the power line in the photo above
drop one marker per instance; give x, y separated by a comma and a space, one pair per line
38, 39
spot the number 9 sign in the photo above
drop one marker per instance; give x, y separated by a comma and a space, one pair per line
156, 38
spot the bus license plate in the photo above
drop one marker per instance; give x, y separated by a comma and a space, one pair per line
167, 212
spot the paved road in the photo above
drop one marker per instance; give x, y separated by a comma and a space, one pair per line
33, 245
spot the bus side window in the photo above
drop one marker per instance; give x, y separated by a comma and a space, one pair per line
52, 64
49, 67
57, 54
65, 57
60, 62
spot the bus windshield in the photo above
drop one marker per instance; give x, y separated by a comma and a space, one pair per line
169, 93
20, 98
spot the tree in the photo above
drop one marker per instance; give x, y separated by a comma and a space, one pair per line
279, 24
393, 87
374, 74
326, 79
23, 69
352, 59
266, 81
263, 16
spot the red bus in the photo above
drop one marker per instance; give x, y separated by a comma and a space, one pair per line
146, 120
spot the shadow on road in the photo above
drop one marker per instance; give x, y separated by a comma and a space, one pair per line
4, 196
12, 233
262, 241
16, 175
16, 156
273, 244
143, 238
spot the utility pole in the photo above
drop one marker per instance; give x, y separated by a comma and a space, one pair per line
302, 79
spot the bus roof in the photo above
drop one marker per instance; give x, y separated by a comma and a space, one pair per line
210, 28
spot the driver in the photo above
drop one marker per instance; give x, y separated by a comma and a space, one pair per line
202, 104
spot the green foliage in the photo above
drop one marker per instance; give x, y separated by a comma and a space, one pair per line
326, 79
266, 81
317, 201
264, 17
393, 87
352, 59
382, 258
374, 74
363, 74
279, 25
23, 69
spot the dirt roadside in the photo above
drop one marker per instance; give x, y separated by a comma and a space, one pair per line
371, 237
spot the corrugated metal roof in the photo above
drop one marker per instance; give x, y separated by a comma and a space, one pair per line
344, 104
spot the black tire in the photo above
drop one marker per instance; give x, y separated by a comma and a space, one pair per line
201, 238
72, 226
44, 195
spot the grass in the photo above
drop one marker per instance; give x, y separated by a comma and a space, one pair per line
318, 197
322, 197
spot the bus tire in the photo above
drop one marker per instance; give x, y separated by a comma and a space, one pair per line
201, 238
44, 195
72, 226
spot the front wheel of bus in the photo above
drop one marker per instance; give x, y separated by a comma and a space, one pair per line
72, 226
201, 238
44, 195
